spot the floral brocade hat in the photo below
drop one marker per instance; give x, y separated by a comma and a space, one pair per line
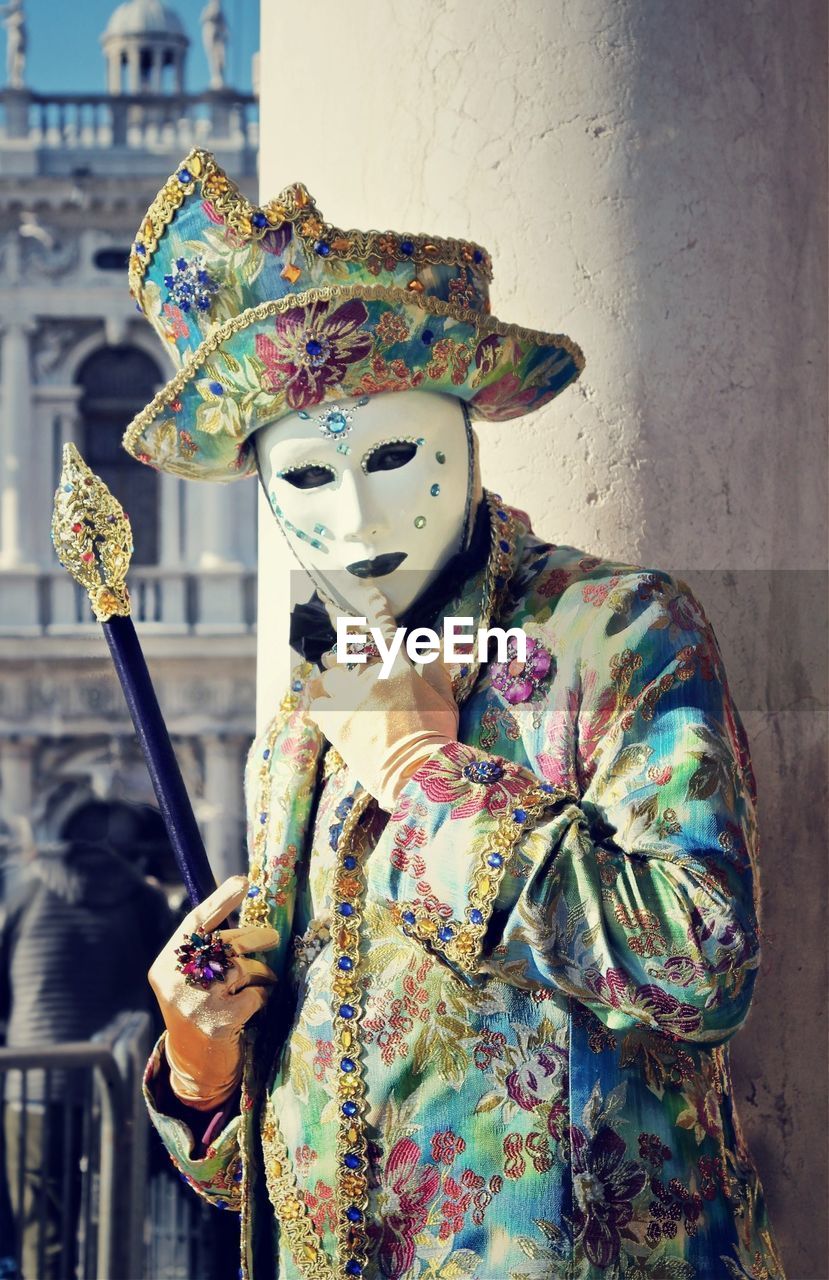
267, 311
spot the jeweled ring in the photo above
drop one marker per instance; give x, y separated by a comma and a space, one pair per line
204, 959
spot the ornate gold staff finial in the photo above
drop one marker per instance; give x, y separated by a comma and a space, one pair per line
92, 537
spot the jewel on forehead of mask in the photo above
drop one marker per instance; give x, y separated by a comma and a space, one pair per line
334, 422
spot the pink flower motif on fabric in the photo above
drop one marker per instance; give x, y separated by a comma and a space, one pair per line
442, 779
312, 349
517, 680
407, 1190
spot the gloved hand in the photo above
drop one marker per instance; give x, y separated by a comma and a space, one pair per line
204, 1027
385, 728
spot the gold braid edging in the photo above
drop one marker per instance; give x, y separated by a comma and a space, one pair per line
462, 940
221, 333
294, 205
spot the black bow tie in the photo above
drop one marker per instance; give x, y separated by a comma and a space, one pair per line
312, 634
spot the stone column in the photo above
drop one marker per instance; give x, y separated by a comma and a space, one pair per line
17, 757
15, 439
223, 806
650, 180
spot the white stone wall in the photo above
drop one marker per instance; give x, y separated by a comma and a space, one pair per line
649, 179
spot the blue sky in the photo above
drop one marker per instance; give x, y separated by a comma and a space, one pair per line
64, 50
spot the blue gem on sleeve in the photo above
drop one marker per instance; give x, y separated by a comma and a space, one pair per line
351, 1161
344, 807
409, 917
483, 771
353, 1213
349, 1109
296, 686
495, 860
446, 933
548, 787
345, 909
216, 388
503, 544
353, 1267
476, 916
349, 862
254, 891
502, 515
345, 963
346, 1010
519, 815
139, 249
266, 753
427, 337
347, 1064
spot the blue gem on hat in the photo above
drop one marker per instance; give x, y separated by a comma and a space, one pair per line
322, 248
191, 285
427, 337
184, 176
260, 219
407, 247
477, 256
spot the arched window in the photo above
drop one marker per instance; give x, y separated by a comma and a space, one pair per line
116, 383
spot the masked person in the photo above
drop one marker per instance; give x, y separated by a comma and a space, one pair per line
500, 920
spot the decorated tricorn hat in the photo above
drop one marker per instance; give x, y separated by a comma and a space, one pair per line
267, 310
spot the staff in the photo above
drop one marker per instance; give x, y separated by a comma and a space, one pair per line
92, 537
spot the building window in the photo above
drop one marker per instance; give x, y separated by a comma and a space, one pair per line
116, 383
112, 260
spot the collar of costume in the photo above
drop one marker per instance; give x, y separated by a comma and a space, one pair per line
311, 632
269, 310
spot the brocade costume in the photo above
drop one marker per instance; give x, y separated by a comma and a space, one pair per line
498, 1048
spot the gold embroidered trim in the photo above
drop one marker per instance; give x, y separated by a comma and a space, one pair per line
294, 205
289, 1203
220, 334
461, 941
351, 1185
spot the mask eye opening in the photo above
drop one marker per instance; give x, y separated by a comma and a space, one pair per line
308, 475
389, 455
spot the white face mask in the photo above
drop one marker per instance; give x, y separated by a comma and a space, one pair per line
371, 492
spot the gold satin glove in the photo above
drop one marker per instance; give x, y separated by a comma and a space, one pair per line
385, 729
204, 1027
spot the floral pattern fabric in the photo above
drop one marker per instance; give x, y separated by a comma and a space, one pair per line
560, 936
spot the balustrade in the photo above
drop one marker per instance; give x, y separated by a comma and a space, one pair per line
165, 600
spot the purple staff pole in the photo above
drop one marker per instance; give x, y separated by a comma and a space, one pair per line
93, 540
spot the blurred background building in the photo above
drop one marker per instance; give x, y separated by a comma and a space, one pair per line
77, 172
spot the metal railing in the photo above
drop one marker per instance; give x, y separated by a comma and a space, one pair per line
76, 1106
108, 1211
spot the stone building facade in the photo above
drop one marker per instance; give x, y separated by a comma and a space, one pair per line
77, 172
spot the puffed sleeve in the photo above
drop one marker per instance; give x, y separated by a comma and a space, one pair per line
637, 895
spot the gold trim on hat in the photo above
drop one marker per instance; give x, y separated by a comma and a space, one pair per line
294, 205
220, 333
